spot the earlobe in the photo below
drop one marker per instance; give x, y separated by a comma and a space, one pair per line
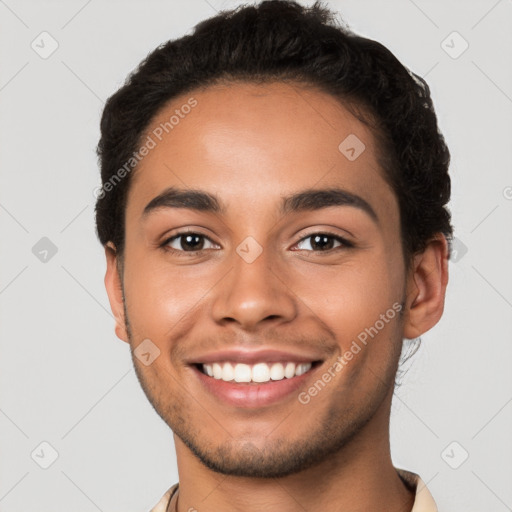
114, 289
426, 288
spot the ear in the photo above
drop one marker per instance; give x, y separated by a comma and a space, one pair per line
115, 291
426, 288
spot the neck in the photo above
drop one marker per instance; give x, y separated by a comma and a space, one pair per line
359, 477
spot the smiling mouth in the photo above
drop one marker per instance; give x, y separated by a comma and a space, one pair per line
258, 373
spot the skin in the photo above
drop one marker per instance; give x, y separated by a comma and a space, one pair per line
251, 145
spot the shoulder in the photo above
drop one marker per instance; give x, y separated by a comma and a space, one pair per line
424, 501
162, 505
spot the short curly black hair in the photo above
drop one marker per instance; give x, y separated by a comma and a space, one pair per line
280, 40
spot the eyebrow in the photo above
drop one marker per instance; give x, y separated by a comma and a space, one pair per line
306, 200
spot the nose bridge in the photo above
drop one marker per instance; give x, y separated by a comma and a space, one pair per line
253, 291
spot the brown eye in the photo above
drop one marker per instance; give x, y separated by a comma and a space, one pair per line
188, 242
322, 242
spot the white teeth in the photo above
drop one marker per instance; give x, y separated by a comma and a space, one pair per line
302, 368
217, 371
260, 372
289, 370
242, 373
277, 371
228, 373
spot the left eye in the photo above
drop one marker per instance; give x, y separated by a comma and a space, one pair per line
322, 242
189, 242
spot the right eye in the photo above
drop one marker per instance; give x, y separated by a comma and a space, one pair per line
188, 242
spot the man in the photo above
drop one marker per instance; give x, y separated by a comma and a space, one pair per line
273, 212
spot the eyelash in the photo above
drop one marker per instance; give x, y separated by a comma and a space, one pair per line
345, 243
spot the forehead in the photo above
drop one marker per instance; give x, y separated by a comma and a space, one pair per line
250, 142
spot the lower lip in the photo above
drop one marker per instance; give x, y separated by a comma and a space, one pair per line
253, 395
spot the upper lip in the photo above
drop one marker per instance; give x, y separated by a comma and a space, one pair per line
253, 356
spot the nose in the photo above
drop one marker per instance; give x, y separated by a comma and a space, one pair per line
254, 293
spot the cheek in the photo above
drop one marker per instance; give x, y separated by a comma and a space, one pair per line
352, 295
359, 302
159, 298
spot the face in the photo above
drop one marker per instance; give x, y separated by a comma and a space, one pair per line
272, 301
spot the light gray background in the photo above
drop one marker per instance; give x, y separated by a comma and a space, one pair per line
67, 380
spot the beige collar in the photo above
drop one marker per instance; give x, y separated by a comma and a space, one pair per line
424, 501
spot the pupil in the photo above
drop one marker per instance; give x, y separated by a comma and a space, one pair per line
189, 240
318, 239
